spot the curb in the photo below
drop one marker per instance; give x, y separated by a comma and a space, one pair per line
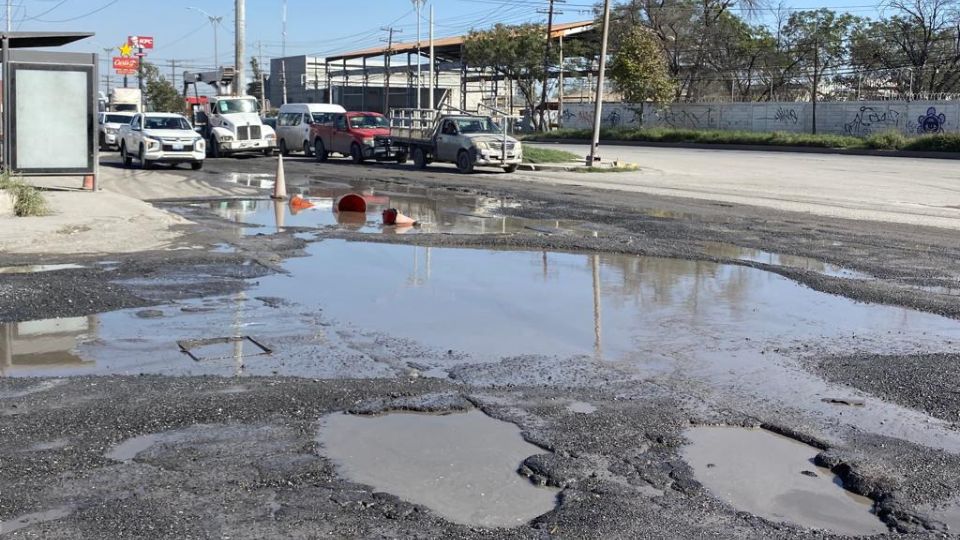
533, 167
765, 148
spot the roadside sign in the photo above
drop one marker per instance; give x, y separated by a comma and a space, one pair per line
141, 42
125, 62
126, 72
140, 54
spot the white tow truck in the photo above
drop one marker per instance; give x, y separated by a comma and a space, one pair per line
230, 124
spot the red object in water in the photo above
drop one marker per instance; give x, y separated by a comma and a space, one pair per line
351, 203
392, 216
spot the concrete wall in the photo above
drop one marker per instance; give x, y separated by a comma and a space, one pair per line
858, 118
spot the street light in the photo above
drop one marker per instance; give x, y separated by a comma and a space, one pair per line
419, 4
215, 22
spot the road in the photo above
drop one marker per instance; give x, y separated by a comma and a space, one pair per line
899, 190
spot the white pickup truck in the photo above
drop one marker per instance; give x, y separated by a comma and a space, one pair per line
161, 138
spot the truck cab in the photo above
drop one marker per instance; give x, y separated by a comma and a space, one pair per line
352, 134
232, 125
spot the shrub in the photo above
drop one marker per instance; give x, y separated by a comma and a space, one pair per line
27, 200
886, 140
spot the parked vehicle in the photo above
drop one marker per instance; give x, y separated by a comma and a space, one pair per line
353, 134
294, 121
125, 100
230, 124
161, 137
109, 126
463, 139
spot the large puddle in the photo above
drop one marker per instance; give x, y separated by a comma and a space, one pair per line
436, 211
726, 333
461, 466
774, 477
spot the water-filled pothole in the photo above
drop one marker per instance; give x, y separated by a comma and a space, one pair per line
461, 466
774, 477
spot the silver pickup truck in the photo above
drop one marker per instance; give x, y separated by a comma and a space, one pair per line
466, 140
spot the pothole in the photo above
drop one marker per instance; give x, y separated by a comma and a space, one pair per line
462, 466
26, 520
37, 268
774, 477
739, 253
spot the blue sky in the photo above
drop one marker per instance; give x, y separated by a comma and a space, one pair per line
313, 26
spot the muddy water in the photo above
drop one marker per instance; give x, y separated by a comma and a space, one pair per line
719, 332
732, 251
774, 477
437, 211
461, 466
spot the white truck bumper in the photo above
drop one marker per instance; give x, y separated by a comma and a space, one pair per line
247, 146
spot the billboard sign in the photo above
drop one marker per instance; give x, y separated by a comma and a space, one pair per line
125, 63
141, 42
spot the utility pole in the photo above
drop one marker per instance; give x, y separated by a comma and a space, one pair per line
418, 4
173, 73
816, 80
9, 15
108, 57
240, 47
283, 54
598, 106
559, 89
215, 21
546, 67
263, 83
386, 66
433, 81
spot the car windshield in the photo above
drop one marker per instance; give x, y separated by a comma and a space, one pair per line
228, 106
117, 119
368, 121
476, 125
167, 122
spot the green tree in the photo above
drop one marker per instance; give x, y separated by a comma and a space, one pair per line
159, 93
515, 52
639, 70
820, 41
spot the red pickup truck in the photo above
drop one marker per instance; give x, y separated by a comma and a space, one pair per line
353, 134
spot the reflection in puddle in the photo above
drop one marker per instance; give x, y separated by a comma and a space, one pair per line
435, 212
758, 471
34, 346
730, 251
461, 466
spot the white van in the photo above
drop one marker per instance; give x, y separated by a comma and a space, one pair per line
293, 125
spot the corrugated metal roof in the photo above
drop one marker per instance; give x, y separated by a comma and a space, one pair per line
450, 45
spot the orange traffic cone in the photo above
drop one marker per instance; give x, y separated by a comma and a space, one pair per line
88, 182
280, 184
392, 216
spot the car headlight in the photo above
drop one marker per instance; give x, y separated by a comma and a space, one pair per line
199, 144
270, 136
110, 131
151, 143
369, 141
482, 145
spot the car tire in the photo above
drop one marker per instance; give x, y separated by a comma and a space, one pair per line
320, 151
144, 162
307, 150
214, 147
356, 154
511, 168
103, 143
419, 158
284, 151
268, 152
125, 156
402, 157
196, 165
464, 162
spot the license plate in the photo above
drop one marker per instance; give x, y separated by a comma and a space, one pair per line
178, 147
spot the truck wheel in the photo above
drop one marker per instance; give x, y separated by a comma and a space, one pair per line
402, 157
144, 163
103, 143
419, 158
464, 162
284, 151
268, 152
127, 159
511, 168
307, 151
319, 151
196, 165
356, 154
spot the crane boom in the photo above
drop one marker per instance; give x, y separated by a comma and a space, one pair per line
221, 79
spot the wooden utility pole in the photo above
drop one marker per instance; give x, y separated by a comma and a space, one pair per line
173, 73
598, 106
816, 81
386, 68
546, 67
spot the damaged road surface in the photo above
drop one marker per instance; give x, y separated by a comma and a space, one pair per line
522, 364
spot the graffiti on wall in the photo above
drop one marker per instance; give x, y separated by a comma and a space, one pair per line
787, 116
931, 122
684, 118
871, 119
